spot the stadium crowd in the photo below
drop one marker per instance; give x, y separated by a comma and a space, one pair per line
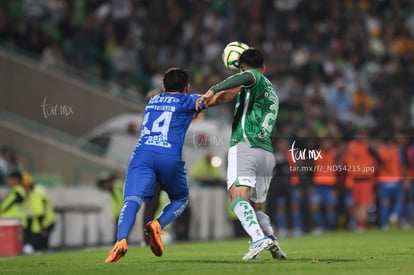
342, 70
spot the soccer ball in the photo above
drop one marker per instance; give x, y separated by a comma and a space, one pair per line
231, 55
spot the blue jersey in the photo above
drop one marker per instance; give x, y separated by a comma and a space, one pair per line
166, 120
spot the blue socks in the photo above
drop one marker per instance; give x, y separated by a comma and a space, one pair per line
131, 207
127, 217
172, 211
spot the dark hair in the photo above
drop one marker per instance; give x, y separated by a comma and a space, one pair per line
16, 175
252, 58
175, 80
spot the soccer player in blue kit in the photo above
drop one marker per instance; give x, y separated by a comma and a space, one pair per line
157, 156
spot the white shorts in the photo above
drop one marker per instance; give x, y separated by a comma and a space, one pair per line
250, 167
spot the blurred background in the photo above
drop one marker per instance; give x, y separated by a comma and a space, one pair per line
75, 75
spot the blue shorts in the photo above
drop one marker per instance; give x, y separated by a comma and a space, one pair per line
390, 190
324, 194
146, 167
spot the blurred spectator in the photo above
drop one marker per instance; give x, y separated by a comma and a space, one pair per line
315, 104
34, 8
109, 182
121, 9
358, 157
52, 56
8, 163
40, 214
339, 99
57, 10
325, 189
35, 40
390, 183
206, 172
361, 100
286, 5
125, 59
315, 93
300, 56
403, 44
362, 105
12, 204
317, 86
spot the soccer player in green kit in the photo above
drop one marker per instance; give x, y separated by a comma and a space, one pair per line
250, 157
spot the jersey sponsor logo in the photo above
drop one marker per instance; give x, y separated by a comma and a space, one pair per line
160, 140
163, 99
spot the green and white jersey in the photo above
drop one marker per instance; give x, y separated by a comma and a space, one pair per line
256, 108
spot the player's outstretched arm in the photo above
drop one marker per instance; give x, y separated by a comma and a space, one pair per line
229, 87
210, 99
223, 97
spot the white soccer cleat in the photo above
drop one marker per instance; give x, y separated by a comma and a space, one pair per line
276, 251
257, 248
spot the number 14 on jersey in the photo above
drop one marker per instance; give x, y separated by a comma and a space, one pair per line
157, 129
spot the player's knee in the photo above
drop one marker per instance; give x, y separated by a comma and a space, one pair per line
237, 192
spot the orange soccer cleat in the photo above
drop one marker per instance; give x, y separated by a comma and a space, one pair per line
153, 231
119, 251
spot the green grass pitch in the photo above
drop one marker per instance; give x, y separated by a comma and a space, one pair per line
372, 252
